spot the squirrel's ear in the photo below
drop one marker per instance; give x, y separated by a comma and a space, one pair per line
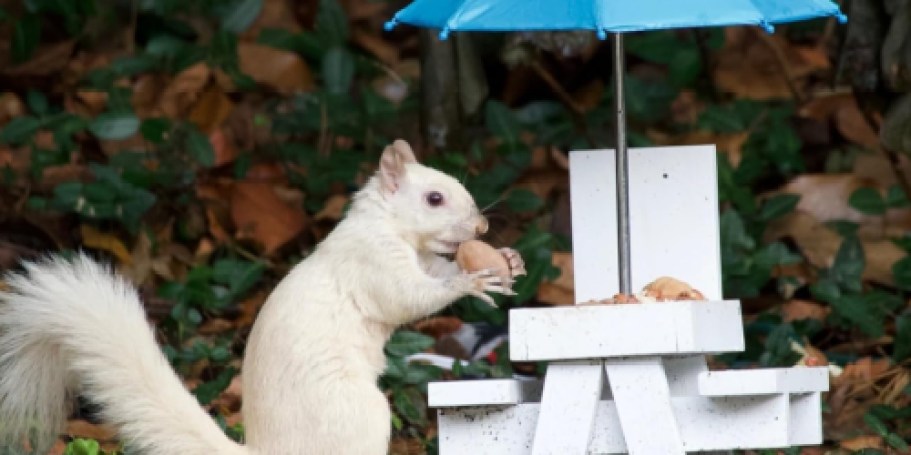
392, 164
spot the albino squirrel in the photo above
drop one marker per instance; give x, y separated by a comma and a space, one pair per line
314, 353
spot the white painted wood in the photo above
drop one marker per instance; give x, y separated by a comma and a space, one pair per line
764, 381
593, 201
705, 424
571, 393
683, 374
805, 419
592, 331
443, 394
642, 396
673, 219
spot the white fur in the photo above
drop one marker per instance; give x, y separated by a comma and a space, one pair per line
313, 357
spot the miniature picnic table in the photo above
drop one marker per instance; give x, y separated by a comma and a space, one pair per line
634, 378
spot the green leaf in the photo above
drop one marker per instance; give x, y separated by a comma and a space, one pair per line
81, 446
902, 347
896, 441
522, 200
26, 36
19, 130
208, 391
849, 263
685, 67
896, 197
859, 311
154, 129
410, 404
37, 102
777, 206
501, 121
199, 148
406, 342
868, 200
338, 70
238, 16
114, 125
240, 276
876, 424
331, 23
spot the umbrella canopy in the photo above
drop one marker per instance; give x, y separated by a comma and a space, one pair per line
603, 16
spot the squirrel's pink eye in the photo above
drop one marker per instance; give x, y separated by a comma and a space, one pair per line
434, 198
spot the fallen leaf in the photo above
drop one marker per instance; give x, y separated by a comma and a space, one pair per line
334, 208
687, 107
795, 310
93, 238
184, 89
47, 60
731, 144
862, 442
853, 126
560, 291
383, 50
819, 244
10, 107
259, 213
283, 71
588, 97
84, 429
275, 14
223, 146
212, 109
748, 67
438, 326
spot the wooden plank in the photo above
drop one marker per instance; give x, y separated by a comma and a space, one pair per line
597, 331
442, 394
571, 393
643, 399
764, 381
705, 424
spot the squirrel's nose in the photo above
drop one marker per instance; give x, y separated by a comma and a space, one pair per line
481, 228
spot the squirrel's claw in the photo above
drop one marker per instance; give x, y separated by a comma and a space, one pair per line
515, 261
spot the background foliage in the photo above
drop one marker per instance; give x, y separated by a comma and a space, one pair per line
207, 146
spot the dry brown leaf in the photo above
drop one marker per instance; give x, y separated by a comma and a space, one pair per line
383, 50
223, 146
275, 14
261, 214
10, 107
862, 442
731, 144
748, 67
212, 109
687, 107
438, 326
825, 196
93, 238
215, 326
796, 309
95, 101
184, 89
363, 9
852, 125
147, 91
250, 307
283, 71
823, 107
560, 291
46, 60
334, 208
819, 244
84, 429
589, 95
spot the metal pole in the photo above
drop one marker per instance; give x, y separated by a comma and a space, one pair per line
623, 233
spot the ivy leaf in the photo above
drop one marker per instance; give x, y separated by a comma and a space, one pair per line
406, 342
338, 70
19, 130
858, 310
849, 263
501, 121
114, 125
410, 404
902, 346
777, 206
896, 197
238, 16
522, 200
26, 35
208, 391
868, 200
331, 23
199, 148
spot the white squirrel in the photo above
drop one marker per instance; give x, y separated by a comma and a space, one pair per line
313, 356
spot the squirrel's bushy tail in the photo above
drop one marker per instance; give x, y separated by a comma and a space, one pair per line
68, 324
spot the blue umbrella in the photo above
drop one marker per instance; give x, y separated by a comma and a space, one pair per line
602, 17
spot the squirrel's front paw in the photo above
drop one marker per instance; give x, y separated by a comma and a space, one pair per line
479, 283
515, 261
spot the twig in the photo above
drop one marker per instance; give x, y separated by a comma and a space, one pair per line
782, 60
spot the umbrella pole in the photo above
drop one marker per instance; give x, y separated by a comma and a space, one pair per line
623, 231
